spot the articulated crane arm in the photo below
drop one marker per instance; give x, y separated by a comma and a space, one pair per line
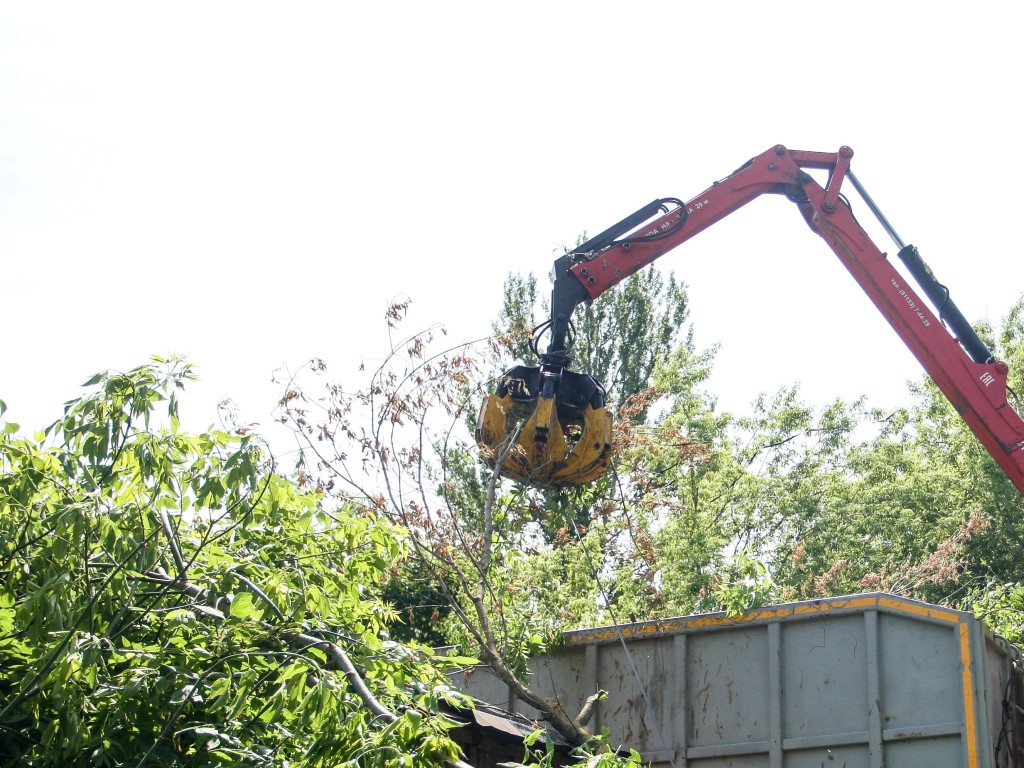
537, 412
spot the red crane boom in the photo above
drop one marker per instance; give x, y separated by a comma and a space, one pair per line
945, 344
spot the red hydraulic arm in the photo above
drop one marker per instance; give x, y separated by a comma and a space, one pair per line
956, 359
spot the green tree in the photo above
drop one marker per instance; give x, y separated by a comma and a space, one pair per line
706, 510
421, 605
398, 444
680, 496
908, 502
169, 599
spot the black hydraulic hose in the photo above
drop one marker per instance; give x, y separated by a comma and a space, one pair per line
948, 311
632, 221
568, 293
681, 207
933, 289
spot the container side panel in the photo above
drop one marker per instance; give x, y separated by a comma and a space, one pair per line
727, 690
996, 677
921, 675
924, 753
482, 684
746, 761
850, 756
791, 687
824, 673
562, 675
635, 714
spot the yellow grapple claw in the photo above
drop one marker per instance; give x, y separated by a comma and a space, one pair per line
542, 447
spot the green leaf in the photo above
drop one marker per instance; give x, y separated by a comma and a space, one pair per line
185, 693
243, 607
208, 610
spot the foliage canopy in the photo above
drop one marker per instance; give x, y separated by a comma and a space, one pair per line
168, 599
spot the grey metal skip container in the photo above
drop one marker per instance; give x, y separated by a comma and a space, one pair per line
872, 681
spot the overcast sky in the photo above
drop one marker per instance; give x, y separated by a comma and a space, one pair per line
250, 184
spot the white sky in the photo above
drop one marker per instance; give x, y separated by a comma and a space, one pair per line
250, 184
